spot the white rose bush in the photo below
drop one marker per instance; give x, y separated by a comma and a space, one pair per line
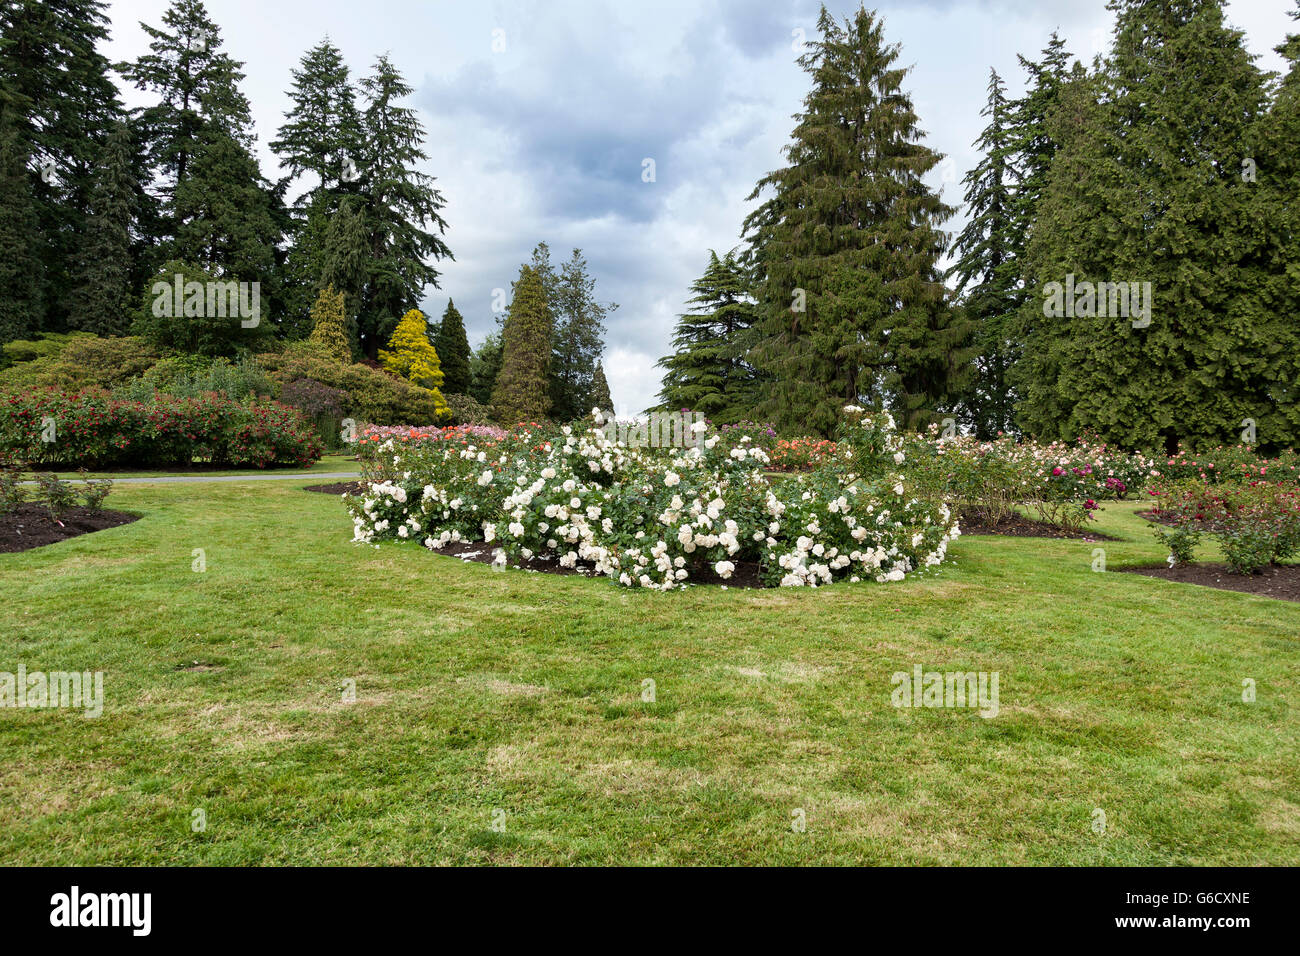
661, 517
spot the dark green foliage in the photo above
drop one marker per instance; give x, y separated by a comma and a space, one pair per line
321, 135
521, 392
208, 317
197, 91
600, 397
64, 103
485, 366
852, 307
20, 238
987, 269
452, 346
1147, 186
104, 261
707, 371
578, 339
401, 216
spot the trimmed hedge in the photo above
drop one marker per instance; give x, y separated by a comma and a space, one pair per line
93, 429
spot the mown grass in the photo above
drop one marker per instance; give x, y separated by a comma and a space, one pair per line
512, 697
327, 464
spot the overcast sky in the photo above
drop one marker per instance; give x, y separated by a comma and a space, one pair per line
540, 116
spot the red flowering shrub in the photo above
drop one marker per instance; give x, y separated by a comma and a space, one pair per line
50, 427
1255, 523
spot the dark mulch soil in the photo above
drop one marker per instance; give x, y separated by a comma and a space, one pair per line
30, 526
337, 488
1019, 526
1280, 581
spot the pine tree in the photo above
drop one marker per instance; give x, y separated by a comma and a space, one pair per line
987, 270
1034, 148
521, 392
410, 354
1275, 255
20, 236
600, 397
104, 263
453, 348
64, 104
402, 207
707, 372
485, 366
321, 135
1146, 186
197, 87
225, 213
579, 338
330, 325
853, 309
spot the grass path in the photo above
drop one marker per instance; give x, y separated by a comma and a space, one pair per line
517, 697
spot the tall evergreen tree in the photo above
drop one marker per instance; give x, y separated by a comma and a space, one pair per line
600, 397
853, 307
225, 211
20, 236
579, 338
64, 105
103, 268
1275, 301
330, 325
402, 212
453, 348
521, 392
484, 367
321, 142
1146, 187
707, 371
987, 270
197, 88
1029, 138
321, 135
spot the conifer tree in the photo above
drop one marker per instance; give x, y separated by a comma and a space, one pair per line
987, 270
1034, 148
197, 89
600, 397
321, 135
330, 325
521, 392
853, 309
707, 371
104, 262
1146, 187
485, 366
64, 104
402, 208
453, 348
579, 337
20, 262
410, 354
1275, 256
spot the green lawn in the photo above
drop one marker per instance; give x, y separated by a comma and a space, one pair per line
327, 464
520, 695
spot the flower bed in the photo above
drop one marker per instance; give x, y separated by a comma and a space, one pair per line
658, 518
1255, 524
801, 454
49, 427
1062, 482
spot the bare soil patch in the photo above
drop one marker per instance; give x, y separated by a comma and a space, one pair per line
1281, 581
1018, 526
30, 526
